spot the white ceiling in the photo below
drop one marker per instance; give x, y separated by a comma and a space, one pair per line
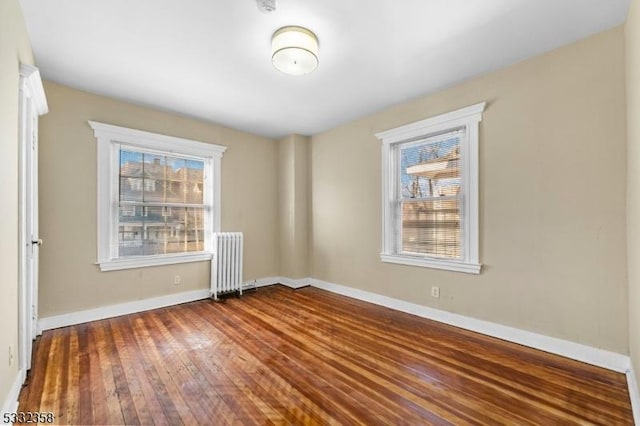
211, 59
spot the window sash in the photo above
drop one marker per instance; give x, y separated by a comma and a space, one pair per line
458, 134
145, 176
444, 234
400, 231
159, 232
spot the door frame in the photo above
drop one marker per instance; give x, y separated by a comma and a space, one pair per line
32, 103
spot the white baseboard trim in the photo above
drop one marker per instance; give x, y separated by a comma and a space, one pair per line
295, 283
590, 355
289, 282
57, 321
634, 394
10, 404
262, 282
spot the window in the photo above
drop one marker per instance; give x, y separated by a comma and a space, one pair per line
430, 192
158, 198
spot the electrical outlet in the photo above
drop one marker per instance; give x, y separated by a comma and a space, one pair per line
177, 280
435, 292
10, 355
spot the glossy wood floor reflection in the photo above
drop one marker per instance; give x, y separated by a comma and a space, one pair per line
280, 356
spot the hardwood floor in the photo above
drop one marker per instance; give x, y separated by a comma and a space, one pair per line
282, 356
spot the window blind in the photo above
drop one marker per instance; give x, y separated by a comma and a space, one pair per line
161, 204
429, 191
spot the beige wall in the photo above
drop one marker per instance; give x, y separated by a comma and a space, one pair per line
293, 202
633, 179
552, 199
14, 49
70, 281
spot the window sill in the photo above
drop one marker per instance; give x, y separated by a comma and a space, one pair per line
141, 262
448, 265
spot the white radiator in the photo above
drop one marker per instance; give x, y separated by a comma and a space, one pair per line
226, 265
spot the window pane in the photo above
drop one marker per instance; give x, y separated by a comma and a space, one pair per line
193, 191
188, 179
130, 176
131, 231
154, 230
173, 192
431, 227
130, 189
130, 163
154, 173
430, 169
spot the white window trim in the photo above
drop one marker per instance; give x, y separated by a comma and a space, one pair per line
109, 138
468, 118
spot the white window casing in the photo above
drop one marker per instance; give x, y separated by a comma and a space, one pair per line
110, 139
467, 121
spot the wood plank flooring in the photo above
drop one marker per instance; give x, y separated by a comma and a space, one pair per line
282, 356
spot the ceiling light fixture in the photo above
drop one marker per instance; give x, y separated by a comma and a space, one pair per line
295, 50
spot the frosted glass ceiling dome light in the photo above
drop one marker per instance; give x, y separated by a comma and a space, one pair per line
295, 50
